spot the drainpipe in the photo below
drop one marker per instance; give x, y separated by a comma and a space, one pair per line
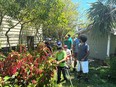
108, 45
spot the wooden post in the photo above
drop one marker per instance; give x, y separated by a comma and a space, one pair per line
108, 45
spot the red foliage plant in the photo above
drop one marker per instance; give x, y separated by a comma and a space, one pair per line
29, 68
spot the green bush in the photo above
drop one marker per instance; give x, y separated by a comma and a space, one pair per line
104, 72
113, 67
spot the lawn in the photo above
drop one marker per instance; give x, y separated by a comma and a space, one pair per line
98, 77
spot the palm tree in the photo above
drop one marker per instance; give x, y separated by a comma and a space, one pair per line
109, 1
103, 15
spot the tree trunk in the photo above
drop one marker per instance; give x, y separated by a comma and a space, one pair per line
20, 34
6, 34
1, 17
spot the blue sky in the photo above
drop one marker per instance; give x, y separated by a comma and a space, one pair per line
83, 6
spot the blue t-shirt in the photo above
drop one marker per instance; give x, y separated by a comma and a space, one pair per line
82, 51
75, 45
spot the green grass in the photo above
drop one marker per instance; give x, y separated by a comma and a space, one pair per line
97, 78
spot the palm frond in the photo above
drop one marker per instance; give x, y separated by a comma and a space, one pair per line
101, 16
109, 1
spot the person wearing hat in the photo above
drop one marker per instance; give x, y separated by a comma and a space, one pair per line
61, 62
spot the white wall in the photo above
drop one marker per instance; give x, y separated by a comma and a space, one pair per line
13, 34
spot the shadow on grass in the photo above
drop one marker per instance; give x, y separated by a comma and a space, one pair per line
75, 81
95, 80
98, 77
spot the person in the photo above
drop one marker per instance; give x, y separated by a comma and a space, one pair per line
61, 62
69, 56
75, 50
66, 40
48, 49
69, 42
82, 58
48, 45
43, 50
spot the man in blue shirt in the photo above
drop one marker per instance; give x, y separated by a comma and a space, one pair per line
82, 57
75, 50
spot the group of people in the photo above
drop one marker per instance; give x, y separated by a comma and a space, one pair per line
76, 50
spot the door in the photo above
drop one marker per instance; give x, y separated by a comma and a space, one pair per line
30, 42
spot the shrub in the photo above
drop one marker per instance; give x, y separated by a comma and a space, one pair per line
113, 67
24, 69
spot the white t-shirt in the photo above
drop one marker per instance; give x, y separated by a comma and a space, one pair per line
68, 52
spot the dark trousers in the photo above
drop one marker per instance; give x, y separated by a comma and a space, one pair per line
63, 70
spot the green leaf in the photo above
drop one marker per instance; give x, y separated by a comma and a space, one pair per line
6, 78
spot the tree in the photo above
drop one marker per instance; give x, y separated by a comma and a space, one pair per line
56, 16
8, 7
103, 15
62, 19
23, 11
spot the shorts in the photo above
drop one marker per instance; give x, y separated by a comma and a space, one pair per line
83, 66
